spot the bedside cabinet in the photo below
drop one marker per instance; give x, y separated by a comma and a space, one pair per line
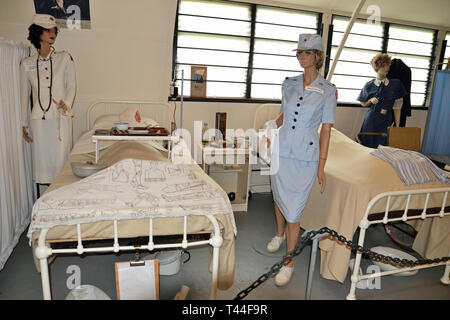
230, 168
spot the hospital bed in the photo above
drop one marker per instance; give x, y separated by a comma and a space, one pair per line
80, 210
361, 187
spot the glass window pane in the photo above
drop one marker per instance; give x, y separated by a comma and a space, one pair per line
208, 57
409, 33
264, 61
447, 52
412, 61
265, 91
357, 41
217, 89
349, 96
417, 99
350, 82
275, 47
218, 73
419, 74
354, 55
226, 90
213, 42
270, 31
287, 17
401, 46
360, 26
354, 68
418, 86
215, 9
212, 25
271, 76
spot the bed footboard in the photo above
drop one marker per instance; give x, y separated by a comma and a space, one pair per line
442, 193
43, 250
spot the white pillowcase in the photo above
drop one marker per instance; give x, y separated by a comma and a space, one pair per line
105, 121
148, 121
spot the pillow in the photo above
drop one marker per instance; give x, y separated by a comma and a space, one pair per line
148, 121
105, 121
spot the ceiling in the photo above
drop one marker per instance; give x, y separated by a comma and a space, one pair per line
431, 12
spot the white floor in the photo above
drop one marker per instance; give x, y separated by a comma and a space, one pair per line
19, 279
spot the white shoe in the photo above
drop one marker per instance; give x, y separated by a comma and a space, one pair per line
275, 243
283, 276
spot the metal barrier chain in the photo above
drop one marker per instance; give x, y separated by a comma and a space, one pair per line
354, 247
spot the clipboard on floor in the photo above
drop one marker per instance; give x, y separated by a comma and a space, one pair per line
137, 280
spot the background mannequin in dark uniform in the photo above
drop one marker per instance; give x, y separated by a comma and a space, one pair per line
384, 97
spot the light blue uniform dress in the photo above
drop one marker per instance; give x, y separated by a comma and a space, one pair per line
298, 151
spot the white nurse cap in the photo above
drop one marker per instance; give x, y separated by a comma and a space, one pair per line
45, 21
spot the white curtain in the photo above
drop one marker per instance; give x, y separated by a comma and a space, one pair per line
16, 187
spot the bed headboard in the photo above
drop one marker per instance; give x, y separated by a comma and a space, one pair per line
264, 113
158, 111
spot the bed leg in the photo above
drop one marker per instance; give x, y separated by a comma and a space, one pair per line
46, 292
312, 264
446, 277
355, 275
42, 253
216, 242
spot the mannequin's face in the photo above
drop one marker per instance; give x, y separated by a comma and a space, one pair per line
383, 71
49, 36
307, 58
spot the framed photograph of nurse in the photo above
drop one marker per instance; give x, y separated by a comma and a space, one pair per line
198, 82
71, 14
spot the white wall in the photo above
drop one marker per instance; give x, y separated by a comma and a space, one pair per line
127, 54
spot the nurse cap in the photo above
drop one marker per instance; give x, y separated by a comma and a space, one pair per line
45, 21
308, 41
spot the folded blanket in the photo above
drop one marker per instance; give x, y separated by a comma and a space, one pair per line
412, 167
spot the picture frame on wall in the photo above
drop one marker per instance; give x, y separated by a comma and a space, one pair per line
70, 14
198, 81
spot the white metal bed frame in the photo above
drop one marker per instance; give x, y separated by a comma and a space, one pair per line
267, 112
366, 223
43, 249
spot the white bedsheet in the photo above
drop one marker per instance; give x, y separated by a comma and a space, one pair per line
132, 189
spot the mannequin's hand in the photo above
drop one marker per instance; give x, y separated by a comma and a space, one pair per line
61, 105
322, 180
374, 100
25, 135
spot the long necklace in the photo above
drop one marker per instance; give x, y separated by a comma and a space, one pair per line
39, 85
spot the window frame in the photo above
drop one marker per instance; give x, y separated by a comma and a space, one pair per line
248, 81
319, 29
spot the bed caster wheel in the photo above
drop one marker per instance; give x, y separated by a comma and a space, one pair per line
231, 196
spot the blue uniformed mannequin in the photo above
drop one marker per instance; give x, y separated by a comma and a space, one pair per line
385, 98
308, 100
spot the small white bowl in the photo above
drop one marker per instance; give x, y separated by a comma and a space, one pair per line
84, 169
121, 125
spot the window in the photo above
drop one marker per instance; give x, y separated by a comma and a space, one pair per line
353, 68
247, 48
446, 52
413, 45
276, 36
